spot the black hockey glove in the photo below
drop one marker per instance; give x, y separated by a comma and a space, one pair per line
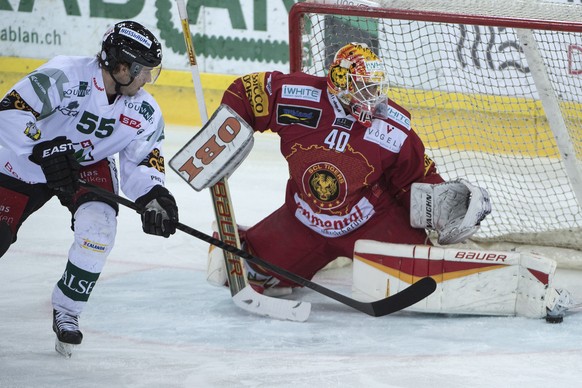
58, 164
160, 213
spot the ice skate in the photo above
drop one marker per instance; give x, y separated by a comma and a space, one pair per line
216, 273
66, 327
265, 284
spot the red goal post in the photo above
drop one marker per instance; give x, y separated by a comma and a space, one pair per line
495, 92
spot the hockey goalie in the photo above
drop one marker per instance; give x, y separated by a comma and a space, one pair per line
358, 171
474, 282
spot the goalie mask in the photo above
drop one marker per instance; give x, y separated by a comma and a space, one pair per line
356, 77
130, 43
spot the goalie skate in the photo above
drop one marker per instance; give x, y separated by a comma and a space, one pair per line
66, 327
216, 271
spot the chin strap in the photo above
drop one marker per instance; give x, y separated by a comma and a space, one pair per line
118, 84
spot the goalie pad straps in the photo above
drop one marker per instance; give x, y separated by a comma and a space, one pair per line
453, 209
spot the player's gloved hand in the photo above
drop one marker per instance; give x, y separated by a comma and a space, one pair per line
58, 164
160, 213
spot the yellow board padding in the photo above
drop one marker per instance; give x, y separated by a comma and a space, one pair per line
487, 123
174, 89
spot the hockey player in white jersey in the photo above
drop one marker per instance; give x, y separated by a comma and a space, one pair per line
64, 122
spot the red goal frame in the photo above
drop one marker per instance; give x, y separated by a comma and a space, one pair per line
298, 10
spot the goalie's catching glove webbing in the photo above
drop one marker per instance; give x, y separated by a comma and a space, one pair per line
453, 209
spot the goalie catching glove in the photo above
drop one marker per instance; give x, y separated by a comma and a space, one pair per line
160, 213
453, 209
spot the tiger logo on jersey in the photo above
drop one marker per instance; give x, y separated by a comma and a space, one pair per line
325, 185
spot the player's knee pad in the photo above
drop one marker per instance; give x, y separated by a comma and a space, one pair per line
95, 228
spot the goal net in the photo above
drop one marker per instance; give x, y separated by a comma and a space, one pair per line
495, 92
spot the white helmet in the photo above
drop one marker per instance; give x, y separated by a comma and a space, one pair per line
356, 77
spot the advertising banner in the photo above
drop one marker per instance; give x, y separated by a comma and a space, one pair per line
230, 36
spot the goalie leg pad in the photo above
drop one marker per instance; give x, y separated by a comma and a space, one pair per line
216, 270
468, 281
216, 266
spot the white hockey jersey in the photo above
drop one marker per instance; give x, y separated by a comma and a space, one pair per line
66, 97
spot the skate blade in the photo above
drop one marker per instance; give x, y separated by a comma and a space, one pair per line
64, 349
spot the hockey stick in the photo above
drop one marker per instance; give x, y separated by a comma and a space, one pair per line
405, 298
223, 210
242, 294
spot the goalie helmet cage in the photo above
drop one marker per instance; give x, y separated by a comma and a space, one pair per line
495, 92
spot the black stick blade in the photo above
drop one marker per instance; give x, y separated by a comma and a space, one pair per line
403, 299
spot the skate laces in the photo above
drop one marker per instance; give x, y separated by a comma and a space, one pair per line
66, 322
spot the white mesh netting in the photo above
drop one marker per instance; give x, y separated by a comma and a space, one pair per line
474, 102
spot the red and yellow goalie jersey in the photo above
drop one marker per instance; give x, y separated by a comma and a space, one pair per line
341, 172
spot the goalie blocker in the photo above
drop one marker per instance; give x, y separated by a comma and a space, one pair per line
468, 281
216, 150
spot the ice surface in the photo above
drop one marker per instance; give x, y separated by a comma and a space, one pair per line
153, 321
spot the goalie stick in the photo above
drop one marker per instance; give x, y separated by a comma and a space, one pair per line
243, 295
401, 300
